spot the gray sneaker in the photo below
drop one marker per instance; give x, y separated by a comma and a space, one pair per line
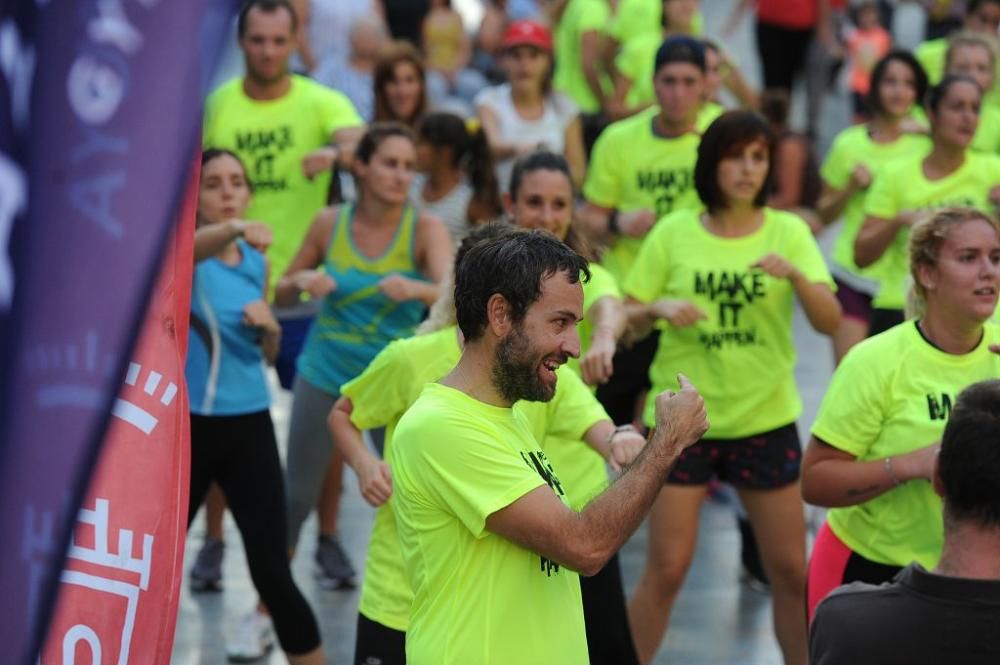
206, 573
333, 569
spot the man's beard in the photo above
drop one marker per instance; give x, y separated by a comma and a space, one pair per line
515, 370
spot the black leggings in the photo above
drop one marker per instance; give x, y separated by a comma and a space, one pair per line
609, 638
377, 644
241, 455
782, 54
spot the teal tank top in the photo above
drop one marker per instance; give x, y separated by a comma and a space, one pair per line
357, 321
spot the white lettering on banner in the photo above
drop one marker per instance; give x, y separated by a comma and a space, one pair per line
111, 26
122, 560
13, 201
95, 89
17, 62
98, 79
131, 412
75, 635
37, 544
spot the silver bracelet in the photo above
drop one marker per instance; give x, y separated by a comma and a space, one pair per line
618, 430
892, 474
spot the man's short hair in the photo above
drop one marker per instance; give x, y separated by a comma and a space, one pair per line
268, 7
514, 267
970, 456
680, 48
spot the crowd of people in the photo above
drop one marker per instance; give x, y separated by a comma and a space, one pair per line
536, 285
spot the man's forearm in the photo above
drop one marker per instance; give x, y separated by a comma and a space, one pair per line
611, 518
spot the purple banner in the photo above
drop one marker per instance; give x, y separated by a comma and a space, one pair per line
100, 113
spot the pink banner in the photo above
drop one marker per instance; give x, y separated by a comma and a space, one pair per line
121, 582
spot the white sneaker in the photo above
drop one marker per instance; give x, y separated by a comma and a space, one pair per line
253, 640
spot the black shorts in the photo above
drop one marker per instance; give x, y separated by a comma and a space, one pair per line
762, 462
376, 644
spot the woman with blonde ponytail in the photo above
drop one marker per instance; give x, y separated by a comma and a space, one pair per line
879, 427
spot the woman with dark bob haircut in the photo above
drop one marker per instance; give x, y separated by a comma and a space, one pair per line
724, 281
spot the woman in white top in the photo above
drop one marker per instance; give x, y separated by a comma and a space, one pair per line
525, 113
455, 179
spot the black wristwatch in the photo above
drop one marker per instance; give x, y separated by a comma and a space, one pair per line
613, 222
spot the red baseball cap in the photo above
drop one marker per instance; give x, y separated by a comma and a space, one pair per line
527, 33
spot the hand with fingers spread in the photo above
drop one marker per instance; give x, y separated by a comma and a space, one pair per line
678, 313
375, 481
777, 266
681, 420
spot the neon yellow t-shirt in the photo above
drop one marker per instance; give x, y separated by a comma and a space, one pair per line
631, 168
987, 138
707, 114
636, 62
905, 189
891, 395
636, 18
852, 147
478, 598
931, 55
559, 425
742, 357
271, 138
384, 391
579, 17
392, 383
601, 284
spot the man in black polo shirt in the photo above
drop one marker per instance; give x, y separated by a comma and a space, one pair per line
952, 614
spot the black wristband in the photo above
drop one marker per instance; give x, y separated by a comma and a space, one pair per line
613, 222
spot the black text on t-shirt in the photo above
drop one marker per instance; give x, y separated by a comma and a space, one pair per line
263, 146
540, 463
731, 290
666, 185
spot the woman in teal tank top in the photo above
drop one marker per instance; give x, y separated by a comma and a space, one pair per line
376, 264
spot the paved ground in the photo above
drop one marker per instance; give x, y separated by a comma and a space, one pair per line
715, 621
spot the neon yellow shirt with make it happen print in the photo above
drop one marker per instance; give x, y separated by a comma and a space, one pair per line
904, 188
392, 383
891, 395
742, 356
632, 168
478, 598
271, 138
853, 147
579, 17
